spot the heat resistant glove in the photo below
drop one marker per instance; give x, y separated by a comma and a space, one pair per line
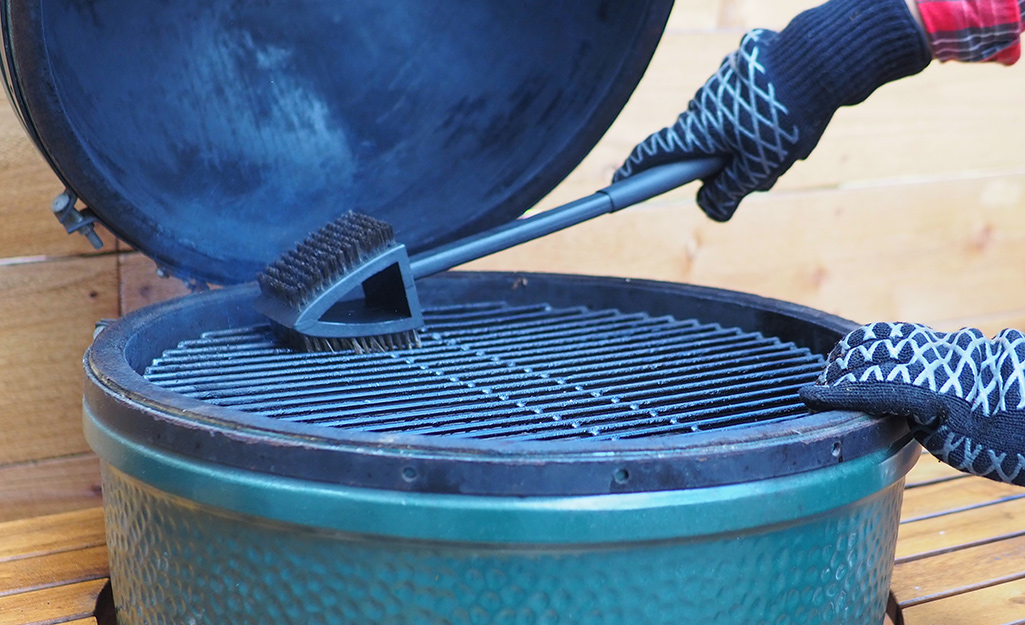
770, 101
963, 394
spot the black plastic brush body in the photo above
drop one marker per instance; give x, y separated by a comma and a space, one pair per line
351, 286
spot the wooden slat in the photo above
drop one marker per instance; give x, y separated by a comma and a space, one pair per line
989, 322
54, 533
140, 285
37, 488
929, 470
959, 571
970, 527
997, 605
774, 14
72, 603
812, 249
47, 313
691, 16
945, 497
907, 129
27, 187
55, 569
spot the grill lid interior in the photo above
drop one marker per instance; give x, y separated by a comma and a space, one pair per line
227, 131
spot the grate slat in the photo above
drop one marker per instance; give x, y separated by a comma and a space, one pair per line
495, 371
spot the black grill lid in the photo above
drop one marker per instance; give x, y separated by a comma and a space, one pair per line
214, 135
526, 385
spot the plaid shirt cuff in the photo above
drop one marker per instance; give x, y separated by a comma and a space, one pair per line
973, 30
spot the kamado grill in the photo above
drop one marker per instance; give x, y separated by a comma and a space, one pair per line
561, 449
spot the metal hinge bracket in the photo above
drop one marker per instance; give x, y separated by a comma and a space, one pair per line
74, 220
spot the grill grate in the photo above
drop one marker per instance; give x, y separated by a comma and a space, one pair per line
497, 371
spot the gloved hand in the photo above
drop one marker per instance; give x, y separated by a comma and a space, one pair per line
770, 101
963, 394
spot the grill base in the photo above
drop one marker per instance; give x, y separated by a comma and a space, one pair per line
174, 562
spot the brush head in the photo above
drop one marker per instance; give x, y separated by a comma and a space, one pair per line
346, 287
301, 274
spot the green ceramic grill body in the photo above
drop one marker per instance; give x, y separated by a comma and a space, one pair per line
815, 548
200, 534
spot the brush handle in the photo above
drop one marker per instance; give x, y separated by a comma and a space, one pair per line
635, 189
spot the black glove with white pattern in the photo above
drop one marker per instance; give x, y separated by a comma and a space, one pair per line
770, 101
963, 394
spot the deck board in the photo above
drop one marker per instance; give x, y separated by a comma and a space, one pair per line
983, 524
953, 496
960, 550
929, 471
960, 557
68, 603
959, 571
53, 570
52, 534
1002, 604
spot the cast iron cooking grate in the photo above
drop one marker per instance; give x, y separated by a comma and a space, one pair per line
497, 371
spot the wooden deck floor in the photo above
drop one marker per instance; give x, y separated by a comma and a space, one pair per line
960, 549
960, 558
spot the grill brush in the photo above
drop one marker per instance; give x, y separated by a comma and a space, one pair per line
351, 285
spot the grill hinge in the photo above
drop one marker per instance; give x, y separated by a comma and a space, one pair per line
74, 220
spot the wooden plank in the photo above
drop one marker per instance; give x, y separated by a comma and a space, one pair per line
947, 497
978, 525
989, 322
55, 569
812, 248
692, 16
1002, 604
747, 14
140, 284
930, 470
906, 130
44, 487
959, 571
47, 313
55, 533
71, 603
27, 187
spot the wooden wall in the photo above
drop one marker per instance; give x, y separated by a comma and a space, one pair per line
912, 207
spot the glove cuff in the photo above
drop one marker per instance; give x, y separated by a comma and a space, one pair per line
837, 54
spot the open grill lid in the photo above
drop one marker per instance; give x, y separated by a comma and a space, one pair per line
213, 136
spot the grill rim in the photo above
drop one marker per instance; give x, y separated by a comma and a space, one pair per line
117, 395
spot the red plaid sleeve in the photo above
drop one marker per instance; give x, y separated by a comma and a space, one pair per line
973, 30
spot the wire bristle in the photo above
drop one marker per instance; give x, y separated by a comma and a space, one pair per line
300, 274
358, 344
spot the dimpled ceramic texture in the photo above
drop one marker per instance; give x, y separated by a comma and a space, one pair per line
175, 562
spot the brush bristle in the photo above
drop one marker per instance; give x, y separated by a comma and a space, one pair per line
298, 276
357, 344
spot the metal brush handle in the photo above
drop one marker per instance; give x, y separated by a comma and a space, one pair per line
635, 189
